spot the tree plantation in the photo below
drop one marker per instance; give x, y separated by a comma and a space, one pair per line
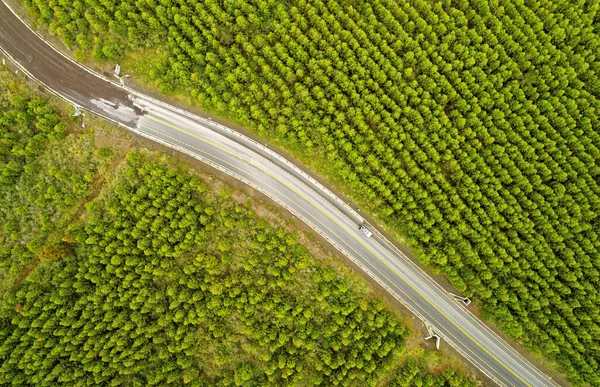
155, 292
129, 271
471, 126
44, 176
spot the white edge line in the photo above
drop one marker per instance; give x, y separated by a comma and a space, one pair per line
266, 150
235, 175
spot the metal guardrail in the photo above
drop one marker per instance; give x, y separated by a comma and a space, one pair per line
254, 186
359, 219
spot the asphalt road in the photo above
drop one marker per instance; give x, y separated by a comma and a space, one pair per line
280, 180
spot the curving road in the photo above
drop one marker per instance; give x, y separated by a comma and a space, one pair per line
274, 176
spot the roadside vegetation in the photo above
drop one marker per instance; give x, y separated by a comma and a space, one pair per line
412, 373
45, 175
470, 128
156, 292
131, 271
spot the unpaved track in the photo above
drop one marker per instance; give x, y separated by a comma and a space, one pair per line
272, 175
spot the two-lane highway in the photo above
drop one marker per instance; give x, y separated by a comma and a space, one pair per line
280, 180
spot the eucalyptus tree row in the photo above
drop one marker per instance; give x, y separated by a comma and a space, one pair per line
472, 127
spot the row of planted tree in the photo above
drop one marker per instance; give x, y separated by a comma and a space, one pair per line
44, 175
472, 127
140, 275
150, 290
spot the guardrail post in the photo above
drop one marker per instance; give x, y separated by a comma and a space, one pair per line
79, 113
465, 300
437, 340
432, 334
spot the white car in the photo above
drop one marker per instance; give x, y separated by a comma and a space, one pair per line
366, 231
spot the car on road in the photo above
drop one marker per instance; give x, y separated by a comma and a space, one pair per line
365, 230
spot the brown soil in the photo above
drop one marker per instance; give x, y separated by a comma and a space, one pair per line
105, 138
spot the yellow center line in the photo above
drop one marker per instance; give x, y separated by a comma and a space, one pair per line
348, 232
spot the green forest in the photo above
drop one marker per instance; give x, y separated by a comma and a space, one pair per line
472, 128
44, 177
149, 276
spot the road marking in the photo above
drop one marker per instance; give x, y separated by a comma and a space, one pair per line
346, 230
350, 234
357, 239
477, 322
474, 356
